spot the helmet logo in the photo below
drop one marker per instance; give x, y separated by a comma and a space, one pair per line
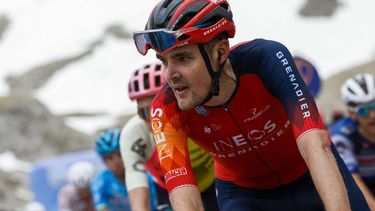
217, 1
215, 27
182, 44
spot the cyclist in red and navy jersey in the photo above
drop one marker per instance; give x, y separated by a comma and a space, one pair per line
248, 107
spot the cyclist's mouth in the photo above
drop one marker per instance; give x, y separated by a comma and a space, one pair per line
181, 90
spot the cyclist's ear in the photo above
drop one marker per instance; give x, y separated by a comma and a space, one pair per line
222, 50
220, 54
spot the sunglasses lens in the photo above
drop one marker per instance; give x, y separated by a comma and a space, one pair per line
162, 41
140, 42
159, 40
364, 110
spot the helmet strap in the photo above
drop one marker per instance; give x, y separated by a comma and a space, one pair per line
215, 75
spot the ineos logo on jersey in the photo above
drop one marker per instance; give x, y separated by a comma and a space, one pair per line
159, 135
256, 138
258, 134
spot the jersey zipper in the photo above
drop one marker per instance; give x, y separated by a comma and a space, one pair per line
255, 150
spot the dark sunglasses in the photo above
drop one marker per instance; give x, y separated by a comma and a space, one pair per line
364, 110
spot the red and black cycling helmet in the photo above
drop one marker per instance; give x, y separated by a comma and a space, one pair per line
146, 81
175, 23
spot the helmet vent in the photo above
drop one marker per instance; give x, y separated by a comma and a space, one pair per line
183, 37
351, 91
184, 19
225, 6
136, 86
362, 83
136, 73
157, 80
158, 67
146, 81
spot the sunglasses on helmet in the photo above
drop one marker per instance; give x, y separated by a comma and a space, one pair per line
164, 40
364, 110
161, 40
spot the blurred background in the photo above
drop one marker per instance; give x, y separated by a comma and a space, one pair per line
64, 68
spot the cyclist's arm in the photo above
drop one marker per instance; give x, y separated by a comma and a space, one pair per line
169, 129
281, 77
186, 198
135, 147
315, 149
140, 199
366, 192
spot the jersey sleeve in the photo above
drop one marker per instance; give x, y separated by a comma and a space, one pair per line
98, 192
136, 148
279, 74
170, 135
346, 150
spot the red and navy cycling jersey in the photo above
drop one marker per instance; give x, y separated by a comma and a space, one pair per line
357, 152
252, 137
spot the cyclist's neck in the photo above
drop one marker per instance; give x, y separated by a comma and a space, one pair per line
228, 83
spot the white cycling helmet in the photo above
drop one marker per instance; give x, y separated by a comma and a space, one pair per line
358, 90
81, 173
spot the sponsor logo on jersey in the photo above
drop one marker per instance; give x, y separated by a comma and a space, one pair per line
254, 113
297, 87
211, 128
159, 135
175, 173
201, 111
255, 138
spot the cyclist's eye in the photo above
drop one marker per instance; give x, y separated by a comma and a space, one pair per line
183, 59
162, 59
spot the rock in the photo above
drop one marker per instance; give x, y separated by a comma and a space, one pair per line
28, 129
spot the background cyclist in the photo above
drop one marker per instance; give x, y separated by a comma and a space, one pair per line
354, 136
76, 194
140, 154
108, 187
248, 107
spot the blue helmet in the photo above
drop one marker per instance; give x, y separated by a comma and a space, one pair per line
108, 142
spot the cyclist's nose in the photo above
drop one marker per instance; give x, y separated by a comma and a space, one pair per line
171, 72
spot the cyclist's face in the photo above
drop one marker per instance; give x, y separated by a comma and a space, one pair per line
115, 164
187, 75
84, 193
366, 122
